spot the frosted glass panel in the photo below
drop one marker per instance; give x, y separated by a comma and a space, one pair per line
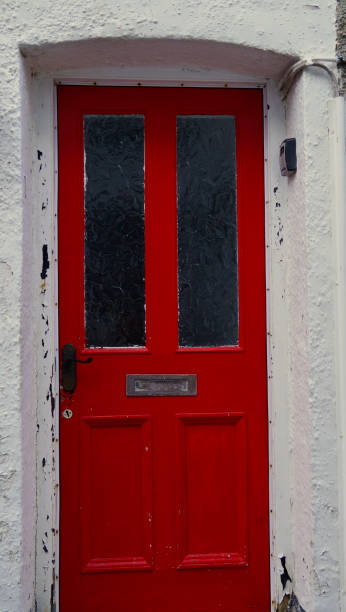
207, 231
114, 231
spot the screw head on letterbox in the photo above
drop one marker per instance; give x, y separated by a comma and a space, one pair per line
288, 157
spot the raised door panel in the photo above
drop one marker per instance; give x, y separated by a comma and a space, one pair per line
116, 493
213, 490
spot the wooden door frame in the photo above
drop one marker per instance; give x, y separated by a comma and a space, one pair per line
48, 389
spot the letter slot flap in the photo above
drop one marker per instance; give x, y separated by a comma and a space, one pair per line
161, 384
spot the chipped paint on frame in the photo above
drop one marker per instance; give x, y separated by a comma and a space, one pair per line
47, 433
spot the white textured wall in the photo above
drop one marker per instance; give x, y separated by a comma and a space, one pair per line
311, 281
139, 40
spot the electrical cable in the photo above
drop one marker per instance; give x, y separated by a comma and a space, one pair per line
290, 75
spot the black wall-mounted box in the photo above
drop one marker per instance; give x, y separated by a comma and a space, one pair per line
288, 157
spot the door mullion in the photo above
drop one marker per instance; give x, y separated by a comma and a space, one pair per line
161, 232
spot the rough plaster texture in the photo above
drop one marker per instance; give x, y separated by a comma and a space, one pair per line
218, 40
312, 378
341, 37
10, 333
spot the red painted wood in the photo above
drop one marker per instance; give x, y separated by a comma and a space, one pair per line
123, 509
164, 500
213, 517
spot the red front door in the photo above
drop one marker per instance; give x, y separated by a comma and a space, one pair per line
163, 435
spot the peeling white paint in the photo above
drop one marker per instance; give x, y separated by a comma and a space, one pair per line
166, 42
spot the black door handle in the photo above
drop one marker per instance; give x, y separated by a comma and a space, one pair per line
68, 358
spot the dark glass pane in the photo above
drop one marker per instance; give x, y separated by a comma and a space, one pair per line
114, 230
207, 231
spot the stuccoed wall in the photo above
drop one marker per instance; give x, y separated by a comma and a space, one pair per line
312, 401
131, 39
341, 37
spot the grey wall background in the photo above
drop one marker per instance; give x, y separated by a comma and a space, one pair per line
341, 37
